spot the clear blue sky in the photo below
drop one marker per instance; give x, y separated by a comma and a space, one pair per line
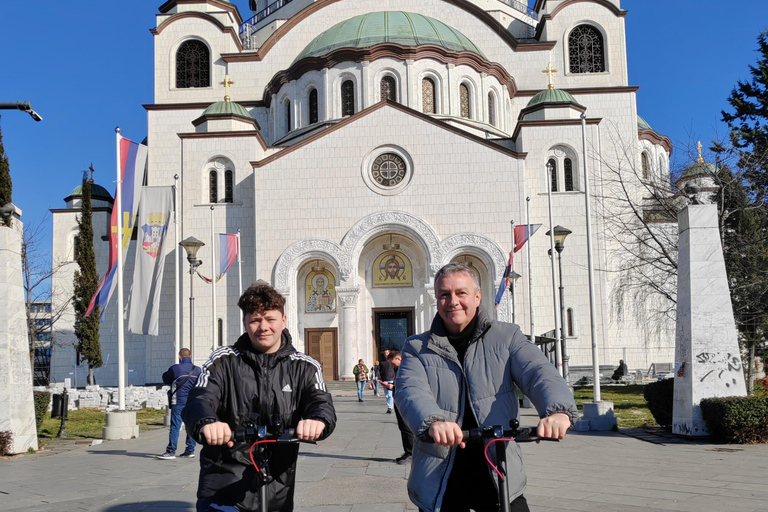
86, 66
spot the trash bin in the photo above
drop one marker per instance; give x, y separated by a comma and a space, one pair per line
60, 406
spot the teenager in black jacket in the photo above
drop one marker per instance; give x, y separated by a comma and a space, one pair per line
261, 373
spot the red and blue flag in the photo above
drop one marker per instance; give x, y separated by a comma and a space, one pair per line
228, 250
522, 233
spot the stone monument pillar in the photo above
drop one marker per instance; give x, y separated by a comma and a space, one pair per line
707, 356
17, 409
348, 346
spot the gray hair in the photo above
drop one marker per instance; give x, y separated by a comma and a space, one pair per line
455, 268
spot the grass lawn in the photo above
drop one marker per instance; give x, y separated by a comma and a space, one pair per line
87, 423
628, 403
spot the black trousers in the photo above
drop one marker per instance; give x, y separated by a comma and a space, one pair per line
519, 504
405, 434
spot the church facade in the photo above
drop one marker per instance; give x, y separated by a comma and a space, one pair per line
360, 145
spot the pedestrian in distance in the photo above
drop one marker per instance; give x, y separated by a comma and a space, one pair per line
621, 371
376, 378
459, 375
406, 436
261, 376
387, 378
182, 377
361, 378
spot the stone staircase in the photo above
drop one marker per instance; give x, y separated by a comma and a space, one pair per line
341, 387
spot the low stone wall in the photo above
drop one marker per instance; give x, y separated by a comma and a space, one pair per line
105, 398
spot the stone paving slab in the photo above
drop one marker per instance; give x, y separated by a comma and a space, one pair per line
354, 471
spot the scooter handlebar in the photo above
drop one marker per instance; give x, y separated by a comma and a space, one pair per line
476, 435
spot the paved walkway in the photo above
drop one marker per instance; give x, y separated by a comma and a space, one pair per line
354, 471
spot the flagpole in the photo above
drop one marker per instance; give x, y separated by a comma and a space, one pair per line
512, 270
530, 263
213, 283
176, 298
239, 264
119, 240
558, 352
590, 266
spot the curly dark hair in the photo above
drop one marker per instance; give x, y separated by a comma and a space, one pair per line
261, 298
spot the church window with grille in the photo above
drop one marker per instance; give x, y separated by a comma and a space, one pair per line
388, 88
228, 186
464, 100
552, 166
568, 168
388, 170
313, 106
571, 331
193, 65
213, 186
645, 165
287, 106
347, 98
586, 50
428, 96
491, 109
220, 331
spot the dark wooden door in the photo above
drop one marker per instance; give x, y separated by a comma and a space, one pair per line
322, 344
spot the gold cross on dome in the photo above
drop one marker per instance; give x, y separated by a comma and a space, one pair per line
549, 72
701, 158
226, 83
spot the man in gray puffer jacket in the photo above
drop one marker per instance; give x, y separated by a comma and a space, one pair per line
461, 374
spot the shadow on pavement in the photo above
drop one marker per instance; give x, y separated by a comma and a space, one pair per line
347, 457
125, 453
152, 506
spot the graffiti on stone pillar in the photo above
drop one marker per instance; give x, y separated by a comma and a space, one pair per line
719, 366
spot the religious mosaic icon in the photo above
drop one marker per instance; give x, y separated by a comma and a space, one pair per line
321, 292
392, 269
388, 170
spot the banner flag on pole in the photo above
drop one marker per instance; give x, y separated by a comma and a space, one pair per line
133, 160
228, 251
522, 233
155, 211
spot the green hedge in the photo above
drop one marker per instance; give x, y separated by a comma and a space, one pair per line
42, 399
660, 396
737, 419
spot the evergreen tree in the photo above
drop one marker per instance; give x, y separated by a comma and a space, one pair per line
749, 122
86, 281
6, 185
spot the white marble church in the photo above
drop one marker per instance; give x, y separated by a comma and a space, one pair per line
359, 145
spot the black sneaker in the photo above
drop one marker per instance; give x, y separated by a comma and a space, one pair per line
404, 459
166, 456
187, 455
389, 411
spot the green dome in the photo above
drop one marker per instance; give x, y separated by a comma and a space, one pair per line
554, 97
699, 169
403, 28
97, 192
227, 108
642, 124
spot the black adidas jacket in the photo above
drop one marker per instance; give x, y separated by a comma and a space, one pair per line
237, 381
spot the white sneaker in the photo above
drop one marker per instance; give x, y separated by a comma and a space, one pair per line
166, 456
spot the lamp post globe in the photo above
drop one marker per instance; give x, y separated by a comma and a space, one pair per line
560, 234
191, 245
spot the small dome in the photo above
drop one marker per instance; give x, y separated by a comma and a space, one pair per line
554, 97
700, 168
403, 28
97, 192
227, 108
642, 124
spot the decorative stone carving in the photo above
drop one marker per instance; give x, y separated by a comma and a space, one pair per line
482, 247
296, 254
347, 295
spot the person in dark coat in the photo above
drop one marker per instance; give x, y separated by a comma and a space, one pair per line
387, 377
261, 375
182, 378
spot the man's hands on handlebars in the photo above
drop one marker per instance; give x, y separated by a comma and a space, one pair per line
447, 433
554, 426
219, 433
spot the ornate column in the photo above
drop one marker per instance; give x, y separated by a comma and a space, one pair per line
409, 100
364, 80
348, 337
432, 311
291, 311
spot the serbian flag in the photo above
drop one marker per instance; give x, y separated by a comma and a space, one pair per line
522, 234
133, 160
228, 248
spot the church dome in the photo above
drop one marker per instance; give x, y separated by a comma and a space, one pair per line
699, 169
553, 97
97, 192
227, 108
642, 124
398, 27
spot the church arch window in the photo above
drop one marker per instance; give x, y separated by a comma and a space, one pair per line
428, 95
570, 323
347, 98
645, 165
213, 186
465, 99
586, 50
568, 174
387, 170
552, 168
313, 107
220, 332
287, 115
193, 65
228, 186
388, 88
491, 109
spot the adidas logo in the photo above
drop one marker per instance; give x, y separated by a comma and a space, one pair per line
287, 388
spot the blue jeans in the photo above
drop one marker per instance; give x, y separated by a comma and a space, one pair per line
388, 394
376, 385
173, 438
360, 388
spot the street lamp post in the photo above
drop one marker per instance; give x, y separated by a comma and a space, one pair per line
513, 277
24, 106
560, 233
192, 245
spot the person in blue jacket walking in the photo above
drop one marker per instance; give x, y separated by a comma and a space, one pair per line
182, 377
